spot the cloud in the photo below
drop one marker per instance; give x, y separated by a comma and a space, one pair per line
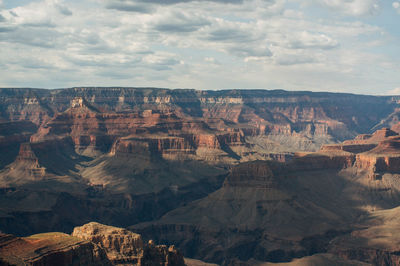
34, 35
63, 10
396, 6
232, 32
352, 7
40, 14
161, 61
148, 6
306, 39
6, 29
249, 43
229, 35
395, 91
288, 59
250, 52
171, 2
129, 6
179, 22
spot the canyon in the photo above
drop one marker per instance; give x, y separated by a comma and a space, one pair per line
233, 177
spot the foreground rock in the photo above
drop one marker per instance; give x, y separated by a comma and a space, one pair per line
50, 249
126, 248
120, 245
90, 244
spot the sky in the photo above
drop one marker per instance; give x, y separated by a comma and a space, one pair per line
318, 45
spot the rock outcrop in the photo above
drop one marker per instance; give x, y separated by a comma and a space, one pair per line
120, 245
161, 255
50, 249
124, 247
90, 244
25, 168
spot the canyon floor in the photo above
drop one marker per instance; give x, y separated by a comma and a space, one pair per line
235, 177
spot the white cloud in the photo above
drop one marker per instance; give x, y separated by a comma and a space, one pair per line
396, 6
395, 91
306, 39
178, 21
200, 44
353, 7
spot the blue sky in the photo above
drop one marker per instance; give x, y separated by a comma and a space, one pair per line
318, 45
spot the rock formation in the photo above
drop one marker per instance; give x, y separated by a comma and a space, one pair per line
161, 255
90, 244
50, 249
120, 245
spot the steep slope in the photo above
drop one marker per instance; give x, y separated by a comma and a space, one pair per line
325, 259
377, 240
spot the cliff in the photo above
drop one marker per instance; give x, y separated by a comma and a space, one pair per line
96, 117
375, 153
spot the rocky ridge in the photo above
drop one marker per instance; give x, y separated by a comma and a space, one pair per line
90, 244
50, 249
